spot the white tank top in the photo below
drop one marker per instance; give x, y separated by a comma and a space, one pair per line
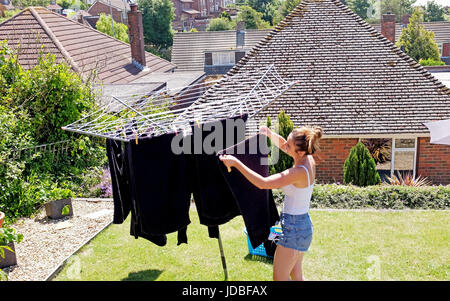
296, 200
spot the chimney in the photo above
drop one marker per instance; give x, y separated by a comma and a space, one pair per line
136, 32
405, 20
446, 49
388, 26
240, 34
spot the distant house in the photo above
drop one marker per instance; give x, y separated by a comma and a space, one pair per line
195, 13
355, 84
54, 7
119, 9
214, 52
7, 4
85, 49
441, 31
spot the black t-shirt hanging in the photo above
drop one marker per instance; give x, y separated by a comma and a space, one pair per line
256, 205
213, 198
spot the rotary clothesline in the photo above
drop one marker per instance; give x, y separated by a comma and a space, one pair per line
175, 110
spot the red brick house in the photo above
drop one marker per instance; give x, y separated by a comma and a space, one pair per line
354, 83
119, 9
54, 7
195, 13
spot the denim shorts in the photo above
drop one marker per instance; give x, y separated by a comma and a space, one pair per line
297, 231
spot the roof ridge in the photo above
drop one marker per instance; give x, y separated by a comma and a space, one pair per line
52, 36
99, 32
298, 12
412, 63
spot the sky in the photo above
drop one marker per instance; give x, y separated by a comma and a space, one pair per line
440, 2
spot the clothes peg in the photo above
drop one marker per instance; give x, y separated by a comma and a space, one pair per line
136, 135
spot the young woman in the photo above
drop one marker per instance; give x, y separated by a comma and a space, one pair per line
297, 184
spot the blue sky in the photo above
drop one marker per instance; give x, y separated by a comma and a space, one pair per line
441, 2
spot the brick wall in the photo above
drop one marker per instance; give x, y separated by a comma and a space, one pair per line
330, 160
99, 7
433, 161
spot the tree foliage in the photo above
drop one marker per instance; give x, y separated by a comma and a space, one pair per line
219, 24
157, 17
252, 18
104, 25
360, 168
434, 12
416, 41
34, 104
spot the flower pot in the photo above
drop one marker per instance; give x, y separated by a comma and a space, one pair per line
2, 218
54, 209
10, 257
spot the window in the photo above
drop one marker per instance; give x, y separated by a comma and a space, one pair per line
393, 155
223, 58
203, 12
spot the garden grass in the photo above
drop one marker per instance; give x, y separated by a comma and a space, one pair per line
347, 245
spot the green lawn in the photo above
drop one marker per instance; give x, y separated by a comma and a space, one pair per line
347, 245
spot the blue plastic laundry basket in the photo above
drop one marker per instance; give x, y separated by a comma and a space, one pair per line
261, 250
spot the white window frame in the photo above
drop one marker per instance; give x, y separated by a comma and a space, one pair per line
223, 62
394, 149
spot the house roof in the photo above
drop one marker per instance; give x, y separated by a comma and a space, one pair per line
188, 47
83, 47
118, 4
441, 30
352, 80
54, 6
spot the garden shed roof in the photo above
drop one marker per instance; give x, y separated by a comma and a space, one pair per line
352, 80
83, 47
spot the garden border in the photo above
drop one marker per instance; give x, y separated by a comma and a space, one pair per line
60, 266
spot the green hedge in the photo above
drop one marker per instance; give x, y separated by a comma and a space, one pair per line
377, 197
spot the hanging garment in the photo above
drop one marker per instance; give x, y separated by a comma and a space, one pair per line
213, 198
120, 179
160, 189
257, 206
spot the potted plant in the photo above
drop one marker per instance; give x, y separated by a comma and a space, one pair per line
2, 218
60, 203
8, 237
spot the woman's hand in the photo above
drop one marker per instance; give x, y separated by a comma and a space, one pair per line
264, 130
229, 161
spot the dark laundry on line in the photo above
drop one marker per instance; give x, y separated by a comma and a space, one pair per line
155, 185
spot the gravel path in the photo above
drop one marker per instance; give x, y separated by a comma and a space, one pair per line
47, 243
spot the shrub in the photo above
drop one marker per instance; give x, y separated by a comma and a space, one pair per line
283, 128
376, 197
431, 62
360, 167
219, 24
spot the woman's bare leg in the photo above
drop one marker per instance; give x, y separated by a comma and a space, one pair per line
283, 263
297, 273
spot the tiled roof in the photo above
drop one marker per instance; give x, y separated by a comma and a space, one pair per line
441, 30
188, 47
83, 47
352, 80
